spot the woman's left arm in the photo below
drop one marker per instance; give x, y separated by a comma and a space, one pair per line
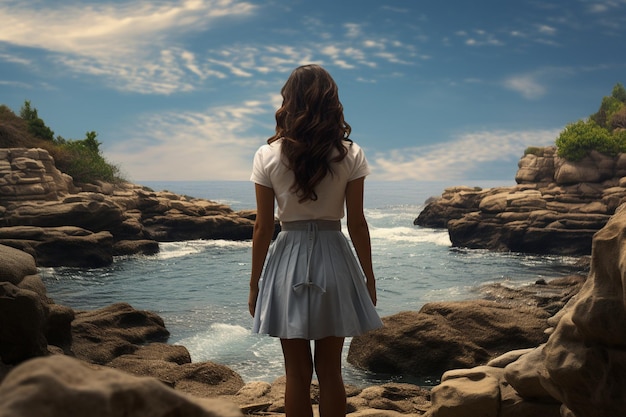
261, 239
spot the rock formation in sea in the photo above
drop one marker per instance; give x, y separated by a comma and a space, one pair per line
555, 208
63, 224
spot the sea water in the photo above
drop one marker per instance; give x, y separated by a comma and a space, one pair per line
200, 287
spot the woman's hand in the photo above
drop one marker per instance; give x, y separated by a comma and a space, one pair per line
371, 288
254, 293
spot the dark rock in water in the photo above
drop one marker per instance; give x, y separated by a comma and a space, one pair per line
444, 336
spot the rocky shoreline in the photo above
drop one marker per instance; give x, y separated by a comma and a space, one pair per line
45, 345
552, 349
555, 208
44, 213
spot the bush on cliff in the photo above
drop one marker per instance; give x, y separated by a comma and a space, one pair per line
603, 131
81, 158
581, 137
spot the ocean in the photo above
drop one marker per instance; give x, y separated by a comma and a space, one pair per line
200, 287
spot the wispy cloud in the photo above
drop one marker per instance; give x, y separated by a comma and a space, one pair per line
479, 37
213, 144
139, 46
456, 159
107, 30
605, 6
527, 85
533, 85
133, 46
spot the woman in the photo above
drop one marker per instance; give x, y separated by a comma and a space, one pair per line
312, 287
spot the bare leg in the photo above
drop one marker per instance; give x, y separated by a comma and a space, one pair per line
299, 370
328, 370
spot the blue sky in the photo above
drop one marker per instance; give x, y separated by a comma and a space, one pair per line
434, 90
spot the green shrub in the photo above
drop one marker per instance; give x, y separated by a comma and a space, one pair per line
619, 92
618, 119
581, 137
533, 150
620, 139
81, 159
36, 125
610, 105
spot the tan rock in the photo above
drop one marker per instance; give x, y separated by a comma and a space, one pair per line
513, 405
99, 336
60, 386
15, 265
465, 333
585, 356
494, 203
523, 376
467, 392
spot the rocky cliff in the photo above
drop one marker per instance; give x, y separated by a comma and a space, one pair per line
63, 224
555, 208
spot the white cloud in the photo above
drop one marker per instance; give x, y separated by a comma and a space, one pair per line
132, 45
106, 30
456, 159
138, 46
527, 85
353, 30
216, 144
546, 30
480, 38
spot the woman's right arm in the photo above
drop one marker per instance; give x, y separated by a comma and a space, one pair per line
359, 232
261, 238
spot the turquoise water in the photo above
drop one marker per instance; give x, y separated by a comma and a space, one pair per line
200, 287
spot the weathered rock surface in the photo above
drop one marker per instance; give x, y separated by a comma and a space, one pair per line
385, 400
585, 357
60, 223
579, 372
23, 311
60, 386
443, 336
555, 208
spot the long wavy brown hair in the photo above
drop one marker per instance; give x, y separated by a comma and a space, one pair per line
311, 124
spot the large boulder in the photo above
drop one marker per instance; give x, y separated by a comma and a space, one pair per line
22, 324
443, 336
60, 386
15, 265
201, 379
483, 391
23, 308
585, 357
99, 336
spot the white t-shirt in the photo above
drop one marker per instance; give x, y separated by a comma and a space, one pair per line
269, 170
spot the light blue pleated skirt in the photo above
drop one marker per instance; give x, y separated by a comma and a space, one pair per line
312, 286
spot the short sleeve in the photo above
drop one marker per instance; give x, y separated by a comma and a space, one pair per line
360, 167
259, 171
